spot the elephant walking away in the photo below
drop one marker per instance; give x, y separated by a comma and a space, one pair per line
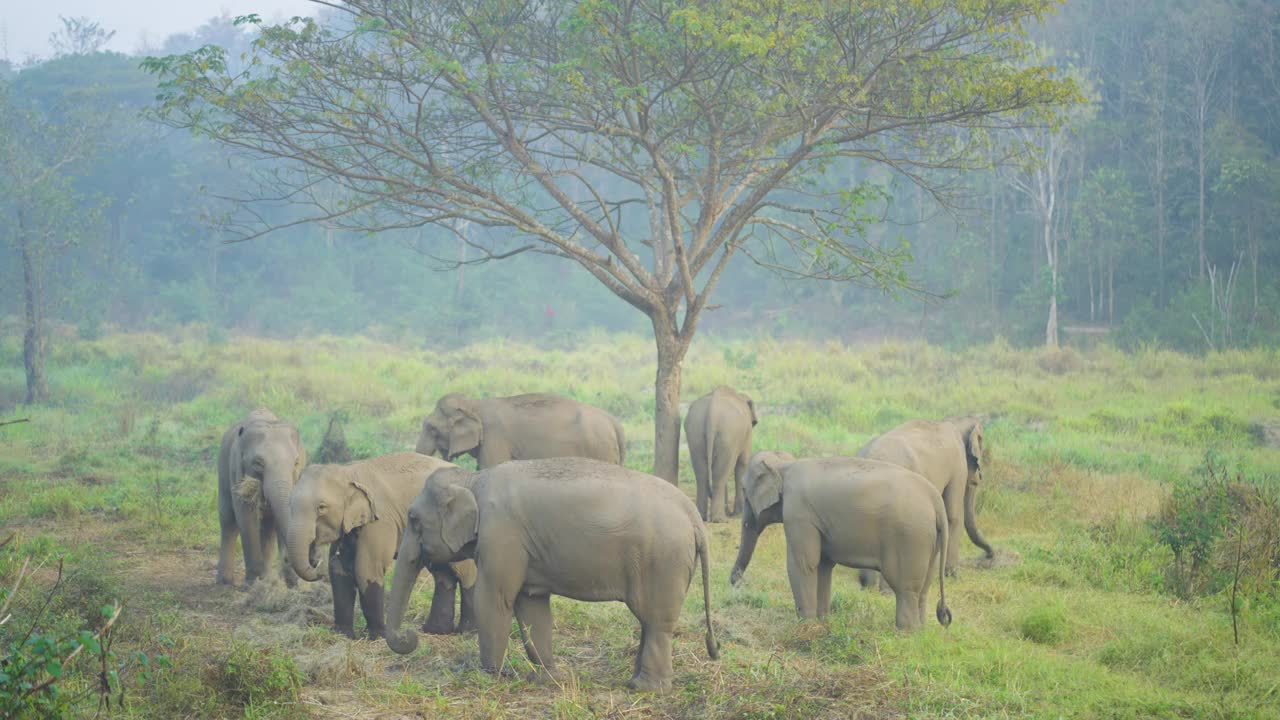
520, 427
258, 463
718, 430
948, 453
360, 510
574, 527
851, 512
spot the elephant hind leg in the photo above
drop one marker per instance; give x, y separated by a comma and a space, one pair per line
534, 613
653, 661
908, 609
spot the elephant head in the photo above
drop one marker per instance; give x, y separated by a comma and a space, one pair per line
970, 429
442, 526
763, 488
328, 502
453, 429
267, 458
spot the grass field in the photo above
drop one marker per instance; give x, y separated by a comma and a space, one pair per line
1077, 617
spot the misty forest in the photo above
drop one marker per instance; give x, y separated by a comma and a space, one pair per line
978, 299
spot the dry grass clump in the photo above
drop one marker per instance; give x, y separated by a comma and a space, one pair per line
1060, 360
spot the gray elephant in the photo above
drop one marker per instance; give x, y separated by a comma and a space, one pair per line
574, 527
521, 427
851, 512
718, 430
360, 510
259, 460
948, 453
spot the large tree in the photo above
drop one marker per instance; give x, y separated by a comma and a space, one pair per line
648, 141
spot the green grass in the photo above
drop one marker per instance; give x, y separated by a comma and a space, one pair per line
1074, 621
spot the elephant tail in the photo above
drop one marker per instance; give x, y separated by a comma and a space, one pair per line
944, 612
713, 647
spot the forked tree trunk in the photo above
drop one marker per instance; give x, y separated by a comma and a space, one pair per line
666, 420
33, 337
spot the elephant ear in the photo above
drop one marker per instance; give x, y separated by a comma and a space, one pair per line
751, 406
466, 572
359, 509
460, 516
465, 432
973, 445
764, 488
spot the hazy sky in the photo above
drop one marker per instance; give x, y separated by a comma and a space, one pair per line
25, 24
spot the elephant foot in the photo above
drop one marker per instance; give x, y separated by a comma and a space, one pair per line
345, 630
646, 683
375, 633
547, 675
434, 627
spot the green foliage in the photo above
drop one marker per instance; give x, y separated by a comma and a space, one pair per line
261, 681
1045, 624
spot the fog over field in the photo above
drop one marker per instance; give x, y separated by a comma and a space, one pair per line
1041, 236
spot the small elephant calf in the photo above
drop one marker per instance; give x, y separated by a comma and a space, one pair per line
360, 510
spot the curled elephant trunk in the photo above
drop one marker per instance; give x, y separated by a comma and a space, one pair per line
747, 544
970, 521
407, 570
302, 535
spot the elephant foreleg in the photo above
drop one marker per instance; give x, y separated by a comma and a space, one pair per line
440, 619
342, 580
825, 567
804, 550
467, 613
953, 498
494, 611
371, 604
534, 612
230, 531
251, 544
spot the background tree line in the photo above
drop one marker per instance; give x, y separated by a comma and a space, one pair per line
1166, 190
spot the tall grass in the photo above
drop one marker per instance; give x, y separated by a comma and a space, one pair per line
1074, 620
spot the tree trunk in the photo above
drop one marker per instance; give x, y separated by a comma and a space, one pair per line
1111, 291
1092, 305
33, 337
666, 425
1200, 158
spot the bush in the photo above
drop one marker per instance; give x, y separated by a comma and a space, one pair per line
261, 681
1223, 531
1060, 360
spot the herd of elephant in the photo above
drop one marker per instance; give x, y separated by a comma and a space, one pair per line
551, 510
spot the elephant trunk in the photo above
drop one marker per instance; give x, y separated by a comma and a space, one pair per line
407, 569
301, 536
277, 485
971, 522
747, 545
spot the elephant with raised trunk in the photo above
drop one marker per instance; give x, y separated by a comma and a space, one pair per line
718, 430
948, 453
852, 512
258, 463
359, 510
520, 427
574, 527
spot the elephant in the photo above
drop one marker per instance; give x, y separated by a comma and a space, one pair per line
948, 453
520, 427
718, 430
359, 510
852, 512
258, 463
574, 527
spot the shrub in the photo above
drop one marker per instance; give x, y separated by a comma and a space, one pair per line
1060, 360
260, 680
1223, 531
